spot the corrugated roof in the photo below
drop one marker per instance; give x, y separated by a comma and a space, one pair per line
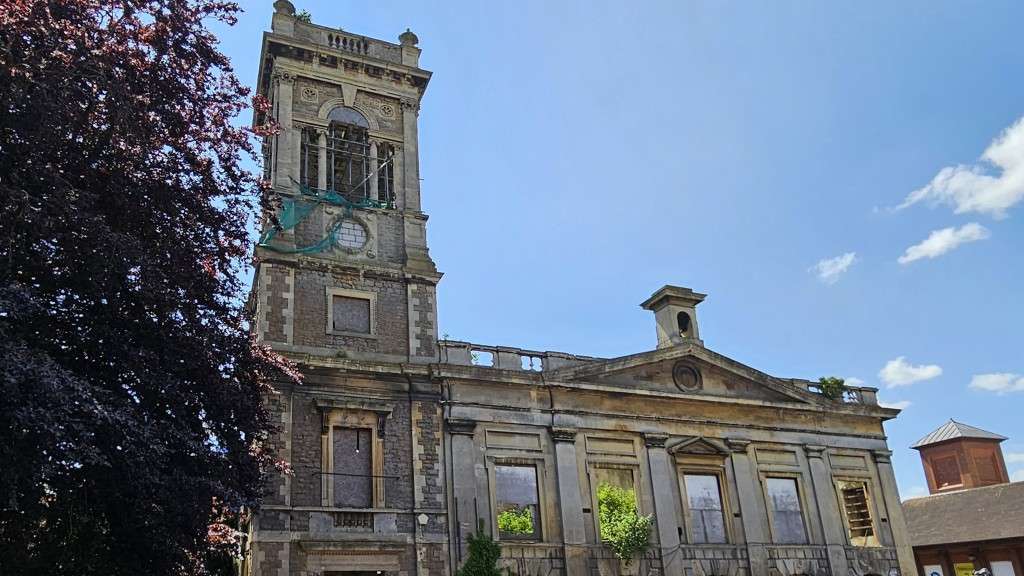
952, 430
988, 513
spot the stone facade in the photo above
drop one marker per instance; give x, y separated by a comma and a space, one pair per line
436, 438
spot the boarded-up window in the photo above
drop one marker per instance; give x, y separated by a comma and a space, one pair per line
352, 473
704, 498
351, 314
786, 512
947, 471
853, 496
515, 493
988, 468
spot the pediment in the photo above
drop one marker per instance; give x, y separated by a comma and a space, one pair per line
697, 445
690, 369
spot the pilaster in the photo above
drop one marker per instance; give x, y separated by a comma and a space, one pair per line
752, 510
411, 165
894, 509
463, 481
667, 512
570, 501
828, 508
287, 148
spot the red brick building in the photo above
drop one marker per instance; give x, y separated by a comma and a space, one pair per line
973, 517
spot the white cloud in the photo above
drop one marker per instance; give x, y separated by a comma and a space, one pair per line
829, 270
968, 188
1017, 476
1014, 457
899, 404
941, 241
899, 372
852, 381
1000, 383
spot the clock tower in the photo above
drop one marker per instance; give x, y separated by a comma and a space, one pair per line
345, 270
345, 287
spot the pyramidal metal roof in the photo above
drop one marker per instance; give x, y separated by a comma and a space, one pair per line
952, 430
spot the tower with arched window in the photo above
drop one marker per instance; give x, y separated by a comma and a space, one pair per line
345, 286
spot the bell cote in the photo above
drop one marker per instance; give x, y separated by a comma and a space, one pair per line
675, 313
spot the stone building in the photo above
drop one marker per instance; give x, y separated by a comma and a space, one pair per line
973, 517
402, 444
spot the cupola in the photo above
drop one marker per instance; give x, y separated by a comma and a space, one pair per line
675, 313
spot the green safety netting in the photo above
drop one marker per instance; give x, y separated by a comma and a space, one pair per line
295, 210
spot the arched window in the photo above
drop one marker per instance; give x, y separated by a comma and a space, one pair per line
683, 322
348, 153
344, 153
350, 116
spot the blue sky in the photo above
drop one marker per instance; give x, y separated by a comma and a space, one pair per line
576, 156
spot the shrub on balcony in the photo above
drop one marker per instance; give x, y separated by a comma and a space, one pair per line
832, 387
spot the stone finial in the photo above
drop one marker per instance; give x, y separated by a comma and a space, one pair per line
407, 38
284, 7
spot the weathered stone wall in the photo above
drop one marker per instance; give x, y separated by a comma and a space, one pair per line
310, 330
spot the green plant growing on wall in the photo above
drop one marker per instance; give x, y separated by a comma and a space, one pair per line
516, 521
623, 529
304, 16
483, 555
832, 387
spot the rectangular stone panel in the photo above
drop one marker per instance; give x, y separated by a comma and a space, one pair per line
514, 440
786, 457
607, 445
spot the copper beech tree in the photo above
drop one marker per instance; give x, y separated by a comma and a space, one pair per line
132, 424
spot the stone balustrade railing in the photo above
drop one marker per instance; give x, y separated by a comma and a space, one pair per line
345, 42
851, 394
506, 357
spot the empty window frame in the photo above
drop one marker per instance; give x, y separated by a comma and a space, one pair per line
946, 471
856, 505
386, 173
352, 471
348, 161
517, 502
309, 156
614, 492
785, 510
705, 507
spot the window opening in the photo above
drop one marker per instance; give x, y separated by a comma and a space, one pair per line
707, 518
857, 509
386, 173
517, 502
786, 512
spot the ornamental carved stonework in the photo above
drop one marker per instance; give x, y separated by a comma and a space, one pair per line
686, 377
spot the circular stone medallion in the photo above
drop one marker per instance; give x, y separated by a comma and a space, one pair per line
686, 377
